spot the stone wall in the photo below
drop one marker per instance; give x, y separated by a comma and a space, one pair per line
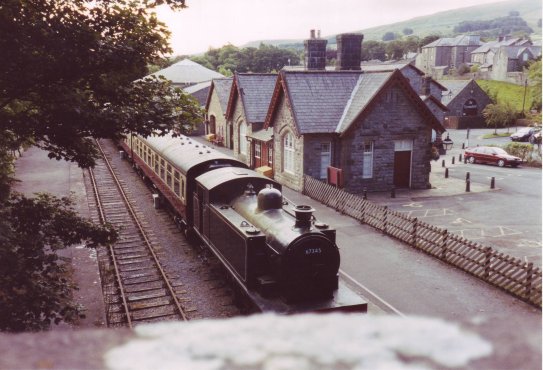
215, 110
283, 123
238, 118
387, 121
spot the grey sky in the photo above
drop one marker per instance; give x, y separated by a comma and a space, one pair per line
214, 23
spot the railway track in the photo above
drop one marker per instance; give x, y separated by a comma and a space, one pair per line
136, 286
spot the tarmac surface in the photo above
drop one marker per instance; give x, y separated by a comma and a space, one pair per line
37, 173
409, 280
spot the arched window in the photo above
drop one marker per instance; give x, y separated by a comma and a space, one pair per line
242, 138
288, 153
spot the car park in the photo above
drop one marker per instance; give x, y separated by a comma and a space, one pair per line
491, 155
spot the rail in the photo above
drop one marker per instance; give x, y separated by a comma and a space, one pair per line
143, 235
519, 278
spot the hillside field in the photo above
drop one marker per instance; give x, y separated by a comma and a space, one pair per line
508, 93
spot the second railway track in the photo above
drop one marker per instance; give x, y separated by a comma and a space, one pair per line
138, 289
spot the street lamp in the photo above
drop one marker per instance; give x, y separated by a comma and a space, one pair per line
447, 143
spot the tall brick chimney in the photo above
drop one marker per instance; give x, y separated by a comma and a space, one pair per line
349, 51
315, 52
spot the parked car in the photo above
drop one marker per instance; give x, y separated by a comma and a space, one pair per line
536, 138
524, 134
490, 154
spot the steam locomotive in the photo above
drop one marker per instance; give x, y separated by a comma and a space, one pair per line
279, 255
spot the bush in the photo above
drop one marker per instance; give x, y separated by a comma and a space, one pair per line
520, 150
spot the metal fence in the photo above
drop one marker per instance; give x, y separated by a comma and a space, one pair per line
511, 274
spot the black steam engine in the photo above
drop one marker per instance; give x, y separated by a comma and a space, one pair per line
280, 256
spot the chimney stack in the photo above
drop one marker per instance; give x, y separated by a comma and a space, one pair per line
425, 86
315, 52
349, 51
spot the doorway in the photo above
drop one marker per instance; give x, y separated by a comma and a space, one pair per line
402, 163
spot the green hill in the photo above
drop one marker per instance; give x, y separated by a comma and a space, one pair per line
441, 23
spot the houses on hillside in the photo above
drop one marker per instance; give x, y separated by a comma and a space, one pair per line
371, 128
503, 59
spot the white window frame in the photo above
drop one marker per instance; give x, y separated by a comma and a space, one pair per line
258, 149
243, 138
288, 153
324, 171
367, 161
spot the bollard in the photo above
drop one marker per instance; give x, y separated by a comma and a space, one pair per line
365, 194
492, 183
393, 192
443, 163
452, 160
459, 157
446, 173
465, 160
463, 145
468, 186
467, 176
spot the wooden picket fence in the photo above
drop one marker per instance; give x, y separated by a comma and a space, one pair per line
511, 274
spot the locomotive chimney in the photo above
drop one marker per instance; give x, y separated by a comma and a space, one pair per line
303, 216
315, 52
349, 51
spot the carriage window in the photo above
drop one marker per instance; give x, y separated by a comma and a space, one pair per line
182, 188
169, 175
176, 183
156, 164
162, 170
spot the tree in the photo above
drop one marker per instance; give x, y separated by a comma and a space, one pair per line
35, 286
70, 70
407, 31
534, 77
498, 115
374, 50
395, 49
389, 36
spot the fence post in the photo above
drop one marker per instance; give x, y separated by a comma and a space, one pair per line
414, 235
444, 235
529, 278
488, 256
385, 219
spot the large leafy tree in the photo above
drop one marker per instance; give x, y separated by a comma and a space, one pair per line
70, 71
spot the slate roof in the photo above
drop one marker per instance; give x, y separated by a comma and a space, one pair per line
329, 102
368, 85
461, 40
187, 72
389, 67
454, 87
318, 99
255, 90
222, 87
199, 91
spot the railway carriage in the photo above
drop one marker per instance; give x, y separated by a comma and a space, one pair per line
279, 255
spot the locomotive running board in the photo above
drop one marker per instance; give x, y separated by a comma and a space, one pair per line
344, 299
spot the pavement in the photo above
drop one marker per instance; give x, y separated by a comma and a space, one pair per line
37, 173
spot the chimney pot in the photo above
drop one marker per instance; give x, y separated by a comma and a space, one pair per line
312, 34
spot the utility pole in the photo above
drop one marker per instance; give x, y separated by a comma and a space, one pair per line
524, 98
